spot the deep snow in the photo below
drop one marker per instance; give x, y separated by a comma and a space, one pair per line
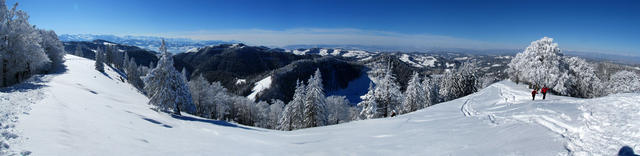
84, 112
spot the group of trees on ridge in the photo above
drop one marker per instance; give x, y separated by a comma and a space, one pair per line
542, 64
24, 49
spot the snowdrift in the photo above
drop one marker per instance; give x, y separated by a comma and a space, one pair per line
84, 112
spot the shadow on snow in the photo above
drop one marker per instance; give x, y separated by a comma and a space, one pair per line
214, 122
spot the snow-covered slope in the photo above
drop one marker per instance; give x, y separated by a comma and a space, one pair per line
259, 87
83, 112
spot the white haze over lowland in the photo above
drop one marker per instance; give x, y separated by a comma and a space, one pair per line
346, 36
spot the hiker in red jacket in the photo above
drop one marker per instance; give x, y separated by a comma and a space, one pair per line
533, 94
544, 92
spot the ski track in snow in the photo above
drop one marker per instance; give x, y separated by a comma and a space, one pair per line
602, 127
105, 114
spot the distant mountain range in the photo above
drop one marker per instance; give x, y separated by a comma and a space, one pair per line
174, 45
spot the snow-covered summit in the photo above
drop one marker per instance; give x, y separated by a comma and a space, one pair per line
85, 112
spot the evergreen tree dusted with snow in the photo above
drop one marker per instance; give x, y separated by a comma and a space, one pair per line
368, 105
99, 64
387, 94
315, 111
133, 74
459, 83
167, 90
415, 96
431, 88
292, 117
624, 82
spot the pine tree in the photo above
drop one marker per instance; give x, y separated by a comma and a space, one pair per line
292, 116
133, 74
431, 88
414, 95
166, 88
125, 61
99, 60
315, 104
368, 104
387, 94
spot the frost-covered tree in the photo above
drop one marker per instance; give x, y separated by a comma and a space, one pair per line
220, 97
368, 105
415, 96
337, 109
430, 87
292, 115
539, 65
459, 83
263, 111
99, 64
624, 82
167, 90
133, 74
276, 108
20, 46
78, 51
125, 62
314, 102
387, 94
52, 46
581, 79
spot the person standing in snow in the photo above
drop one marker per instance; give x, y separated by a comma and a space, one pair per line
544, 92
533, 94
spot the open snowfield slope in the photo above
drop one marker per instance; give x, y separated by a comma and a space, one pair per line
84, 112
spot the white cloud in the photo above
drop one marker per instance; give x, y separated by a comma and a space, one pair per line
347, 36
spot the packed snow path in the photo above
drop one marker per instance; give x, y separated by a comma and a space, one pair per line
84, 112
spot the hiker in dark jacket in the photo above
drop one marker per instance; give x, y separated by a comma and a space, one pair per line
533, 94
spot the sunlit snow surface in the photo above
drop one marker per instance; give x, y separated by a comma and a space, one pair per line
259, 87
84, 112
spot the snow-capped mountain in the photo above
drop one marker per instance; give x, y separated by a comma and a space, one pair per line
175, 45
80, 111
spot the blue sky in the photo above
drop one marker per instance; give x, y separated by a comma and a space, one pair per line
596, 26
